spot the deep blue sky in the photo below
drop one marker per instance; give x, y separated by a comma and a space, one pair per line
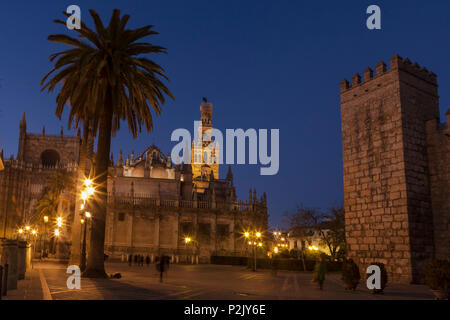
263, 64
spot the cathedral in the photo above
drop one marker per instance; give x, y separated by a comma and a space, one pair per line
154, 205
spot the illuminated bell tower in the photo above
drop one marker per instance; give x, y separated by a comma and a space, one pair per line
204, 155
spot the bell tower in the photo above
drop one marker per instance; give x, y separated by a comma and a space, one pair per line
205, 156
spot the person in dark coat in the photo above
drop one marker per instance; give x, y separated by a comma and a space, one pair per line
147, 260
135, 259
130, 259
142, 260
320, 270
163, 266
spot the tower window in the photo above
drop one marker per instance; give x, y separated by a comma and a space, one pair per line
121, 216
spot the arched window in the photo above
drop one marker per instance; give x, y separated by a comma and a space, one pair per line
49, 158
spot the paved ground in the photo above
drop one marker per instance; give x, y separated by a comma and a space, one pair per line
48, 281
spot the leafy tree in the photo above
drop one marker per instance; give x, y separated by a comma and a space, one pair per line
106, 80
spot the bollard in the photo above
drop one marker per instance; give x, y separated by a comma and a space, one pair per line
9, 255
5, 280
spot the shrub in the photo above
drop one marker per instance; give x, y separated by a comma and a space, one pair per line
350, 274
437, 274
384, 277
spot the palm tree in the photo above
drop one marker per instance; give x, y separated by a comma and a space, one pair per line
54, 187
106, 79
47, 205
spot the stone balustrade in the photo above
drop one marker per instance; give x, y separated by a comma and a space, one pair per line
144, 200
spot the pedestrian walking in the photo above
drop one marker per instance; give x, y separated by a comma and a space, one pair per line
130, 259
162, 266
147, 260
320, 270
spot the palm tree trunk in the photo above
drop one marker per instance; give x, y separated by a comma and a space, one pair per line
76, 225
95, 264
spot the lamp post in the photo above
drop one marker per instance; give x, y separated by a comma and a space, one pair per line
85, 194
83, 249
254, 241
56, 233
187, 240
45, 236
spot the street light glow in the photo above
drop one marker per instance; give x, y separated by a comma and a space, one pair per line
27, 228
82, 221
90, 191
187, 240
20, 230
33, 232
57, 232
45, 219
59, 221
88, 215
258, 234
87, 182
84, 195
246, 234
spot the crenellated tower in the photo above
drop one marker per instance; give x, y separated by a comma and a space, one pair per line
388, 211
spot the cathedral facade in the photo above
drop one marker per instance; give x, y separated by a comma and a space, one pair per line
153, 204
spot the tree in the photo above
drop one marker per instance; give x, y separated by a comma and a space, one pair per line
301, 223
55, 185
332, 231
106, 80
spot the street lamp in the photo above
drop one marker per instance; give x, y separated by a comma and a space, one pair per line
85, 194
253, 240
83, 250
46, 235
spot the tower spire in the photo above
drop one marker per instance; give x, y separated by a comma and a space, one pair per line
229, 175
23, 124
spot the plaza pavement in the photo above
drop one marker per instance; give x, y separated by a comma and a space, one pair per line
47, 280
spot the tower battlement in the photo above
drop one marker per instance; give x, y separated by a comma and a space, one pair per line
394, 175
396, 63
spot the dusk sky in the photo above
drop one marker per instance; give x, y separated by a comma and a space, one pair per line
263, 65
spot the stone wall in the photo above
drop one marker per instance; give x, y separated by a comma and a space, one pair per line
438, 146
386, 186
157, 230
68, 148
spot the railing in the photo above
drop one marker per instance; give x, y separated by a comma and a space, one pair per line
148, 201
